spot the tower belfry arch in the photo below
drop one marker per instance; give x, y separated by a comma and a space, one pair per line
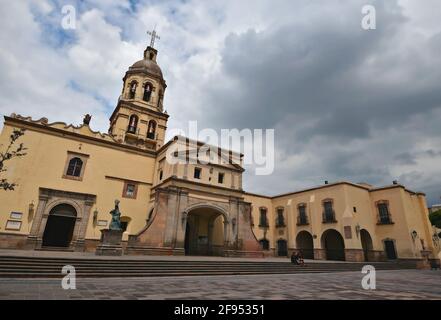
142, 98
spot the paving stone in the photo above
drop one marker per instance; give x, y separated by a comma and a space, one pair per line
402, 284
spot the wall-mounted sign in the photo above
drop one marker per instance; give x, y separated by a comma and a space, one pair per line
16, 215
101, 223
13, 225
348, 232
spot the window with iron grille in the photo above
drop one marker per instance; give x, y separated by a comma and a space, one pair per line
280, 218
302, 218
383, 213
328, 214
263, 221
74, 168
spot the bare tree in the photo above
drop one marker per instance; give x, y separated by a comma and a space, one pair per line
11, 151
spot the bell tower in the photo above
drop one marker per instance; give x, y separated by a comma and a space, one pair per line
139, 118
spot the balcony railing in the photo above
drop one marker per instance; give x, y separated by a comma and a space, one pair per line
302, 220
263, 224
329, 217
385, 220
280, 223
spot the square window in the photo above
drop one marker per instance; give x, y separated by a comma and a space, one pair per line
197, 173
130, 190
221, 178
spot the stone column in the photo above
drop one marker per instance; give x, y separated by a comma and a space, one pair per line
81, 226
34, 241
226, 235
210, 237
172, 216
181, 221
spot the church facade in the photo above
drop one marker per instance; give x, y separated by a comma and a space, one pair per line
71, 175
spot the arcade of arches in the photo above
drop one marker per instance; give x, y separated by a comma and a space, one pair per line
332, 245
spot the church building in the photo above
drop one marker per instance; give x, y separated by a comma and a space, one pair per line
71, 175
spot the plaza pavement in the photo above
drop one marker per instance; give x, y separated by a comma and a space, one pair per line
401, 284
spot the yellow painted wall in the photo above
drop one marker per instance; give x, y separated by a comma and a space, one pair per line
44, 164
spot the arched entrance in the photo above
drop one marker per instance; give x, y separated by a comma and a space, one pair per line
60, 226
204, 232
366, 243
334, 245
282, 248
305, 243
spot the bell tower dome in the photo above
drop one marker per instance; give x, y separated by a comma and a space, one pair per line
139, 118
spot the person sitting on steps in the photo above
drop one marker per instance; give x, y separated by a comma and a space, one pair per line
297, 258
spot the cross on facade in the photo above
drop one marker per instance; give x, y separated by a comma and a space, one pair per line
154, 36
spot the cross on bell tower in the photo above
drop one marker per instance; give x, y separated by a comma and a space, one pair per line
154, 36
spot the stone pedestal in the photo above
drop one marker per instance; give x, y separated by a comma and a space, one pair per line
319, 254
424, 262
354, 255
110, 243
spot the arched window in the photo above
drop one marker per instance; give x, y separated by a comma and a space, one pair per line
133, 123
151, 130
148, 88
74, 168
132, 89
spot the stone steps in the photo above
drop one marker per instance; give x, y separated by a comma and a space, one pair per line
46, 267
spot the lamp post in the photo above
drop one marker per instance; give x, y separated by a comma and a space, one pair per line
357, 230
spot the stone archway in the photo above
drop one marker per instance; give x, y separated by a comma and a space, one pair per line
305, 243
205, 231
334, 245
366, 244
49, 200
60, 226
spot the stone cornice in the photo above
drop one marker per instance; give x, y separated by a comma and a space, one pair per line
133, 106
170, 180
99, 139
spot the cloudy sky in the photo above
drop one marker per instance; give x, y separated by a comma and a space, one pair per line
345, 103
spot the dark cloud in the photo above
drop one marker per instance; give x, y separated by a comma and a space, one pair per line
355, 101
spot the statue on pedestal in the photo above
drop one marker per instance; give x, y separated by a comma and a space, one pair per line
110, 244
115, 224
